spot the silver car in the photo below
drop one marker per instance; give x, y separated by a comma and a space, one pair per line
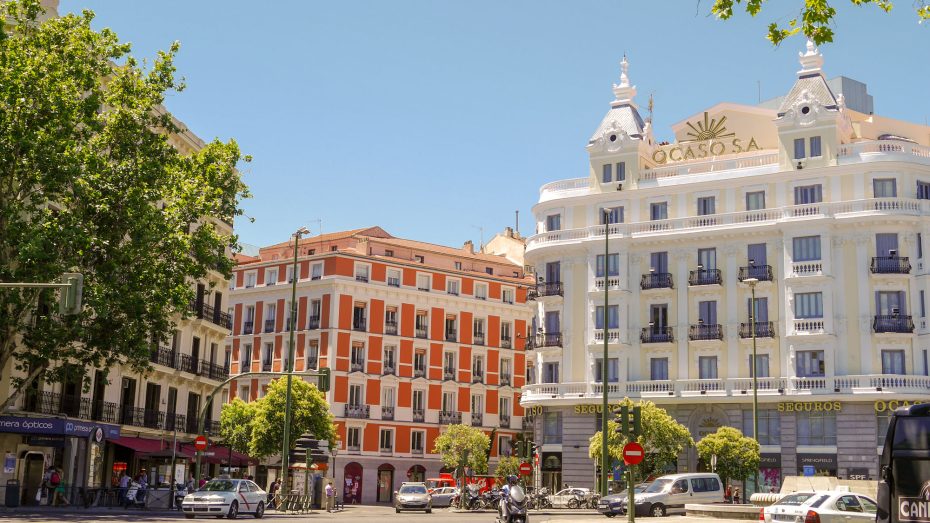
413, 496
442, 497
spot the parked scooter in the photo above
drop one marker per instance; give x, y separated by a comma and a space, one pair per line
135, 496
516, 506
180, 491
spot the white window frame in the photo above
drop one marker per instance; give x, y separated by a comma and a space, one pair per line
251, 276
269, 281
316, 271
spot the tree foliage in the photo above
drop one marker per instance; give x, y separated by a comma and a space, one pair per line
457, 441
309, 415
663, 438
737, 455
814, 20
90, 182
507, 466
236, 424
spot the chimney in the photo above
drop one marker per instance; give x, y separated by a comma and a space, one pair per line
469, 247
508, 232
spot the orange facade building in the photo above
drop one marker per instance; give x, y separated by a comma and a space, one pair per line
417, 336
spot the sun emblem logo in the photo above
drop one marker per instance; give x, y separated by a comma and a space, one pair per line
709, 129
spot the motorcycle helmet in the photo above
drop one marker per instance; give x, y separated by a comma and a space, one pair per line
512, 480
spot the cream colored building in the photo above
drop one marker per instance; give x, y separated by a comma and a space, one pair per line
825, 206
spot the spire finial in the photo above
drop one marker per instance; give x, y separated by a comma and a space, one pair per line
623, 91
811, 61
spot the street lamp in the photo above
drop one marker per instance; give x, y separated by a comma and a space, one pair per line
755, 374
289, 364
334, 451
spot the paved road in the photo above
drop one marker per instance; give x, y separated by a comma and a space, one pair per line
351, 514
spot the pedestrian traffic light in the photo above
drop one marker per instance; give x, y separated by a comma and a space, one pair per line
629, 421
324, 379
70, 300
520, 449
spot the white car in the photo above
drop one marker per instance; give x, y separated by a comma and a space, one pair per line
821, 507
569, 497
225, 497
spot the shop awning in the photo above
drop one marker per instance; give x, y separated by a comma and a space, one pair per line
220, 455
140, 445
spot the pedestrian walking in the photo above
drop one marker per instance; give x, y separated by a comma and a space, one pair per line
728, 494
273, 494
330, 495
123, 487
58, 488
736, 496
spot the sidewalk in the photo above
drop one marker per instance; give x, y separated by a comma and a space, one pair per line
77, 510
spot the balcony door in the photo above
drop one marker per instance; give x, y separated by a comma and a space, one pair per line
553, 272
762, 309
355, 395
100, 385
707, 312
888, 303
755, 254
152, 403
658, 261
885, 243
552, 322
707, 258
658, 317
193, 412
127, 400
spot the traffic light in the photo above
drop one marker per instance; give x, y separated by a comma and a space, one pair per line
324, 379
520, 449
630, 421
70, 300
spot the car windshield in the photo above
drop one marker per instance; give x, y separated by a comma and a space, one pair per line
795, 499
218, 485
413, 489
659, 485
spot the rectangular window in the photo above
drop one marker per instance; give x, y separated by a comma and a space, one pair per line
799, 148
815, 147
393, 278
477, 366
923, 191
489, 270
245, 355
458, 265
761, 312
607, 175
550, 372
316, 271
452, 287
810, 363
613, 265
290, 274
505, 333
389, 359
658, 262
769, 426
552, 428
419, 362
920, 246
884, 188
419, 400
806, 248
756, 255
893, 362
553, 222
613, 317
808, 194
816, 427
707, 259
423, 282
923, 305
613, 366
706, 205
611, 215
553, 272
889, 303
250, 280
419, 258
359, 317
755, 201
762, 365
271, 277
481, 291
355, 395
361, 273
504, 407
507, 296
313, 354
808, 305
389, 253
658, 368
448, 402
387, 439
707, 312
387, 396
707, 367
416, 441
353, 437
658, 211
621, 171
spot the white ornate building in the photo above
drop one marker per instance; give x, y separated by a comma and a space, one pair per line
825, 206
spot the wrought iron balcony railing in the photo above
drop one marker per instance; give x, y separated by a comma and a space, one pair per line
890, 265
505, 421
759, 272
449, 418
656, 280
893, 323
448, 374
705, 331
477, 377
209, 313
387, 412
478, 338
390, 328
549, 289
421, 332
505, 380
506, 343
705, 277
764, 329
313, 323
357, 366
419, 415
548, 339
163, 356
656, 334
247, 327
476, 419
357, 411
269, 325
419, 373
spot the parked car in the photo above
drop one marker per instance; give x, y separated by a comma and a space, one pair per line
821, 507
442, 497
669, 494
413, 496
612, 504
225, 497
569, 497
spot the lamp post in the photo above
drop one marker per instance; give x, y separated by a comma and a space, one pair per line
605, 460
289, 364
755, 374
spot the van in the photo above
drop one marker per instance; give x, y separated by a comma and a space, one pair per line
904, 469
669, 494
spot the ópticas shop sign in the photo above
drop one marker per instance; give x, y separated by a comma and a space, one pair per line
56, 426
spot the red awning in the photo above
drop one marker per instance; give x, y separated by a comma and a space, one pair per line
141, 445
220, 455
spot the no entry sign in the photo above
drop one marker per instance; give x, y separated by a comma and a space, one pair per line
633, 453
525, 469
200, 443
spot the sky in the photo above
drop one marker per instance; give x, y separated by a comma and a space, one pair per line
438, 119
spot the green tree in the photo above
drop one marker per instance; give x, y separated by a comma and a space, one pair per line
309, 415
457, 441
663, 438
236, 424
91, 182
737, 455
814, 20
507, 466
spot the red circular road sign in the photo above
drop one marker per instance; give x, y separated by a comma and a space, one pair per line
200, 443
526, 469
633, 453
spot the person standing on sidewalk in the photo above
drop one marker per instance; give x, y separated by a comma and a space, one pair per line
58, 488
123, 486
330, 494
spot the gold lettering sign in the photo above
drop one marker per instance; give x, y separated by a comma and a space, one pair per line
810, 406
708, 138
891, 405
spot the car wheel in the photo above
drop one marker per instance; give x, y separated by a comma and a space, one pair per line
574, 503
397, 510
610, 514
260, 510
189, 516
233, 510
429, 511
657, 510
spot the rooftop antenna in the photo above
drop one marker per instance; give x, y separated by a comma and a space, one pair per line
518, 221
481, 230
650, 107
759, 85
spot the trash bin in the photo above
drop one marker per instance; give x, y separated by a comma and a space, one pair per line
12, 493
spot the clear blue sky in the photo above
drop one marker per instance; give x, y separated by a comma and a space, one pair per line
430, 118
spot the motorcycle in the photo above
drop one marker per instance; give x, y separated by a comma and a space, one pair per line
135, 496
473, 499
516, 504
180, 491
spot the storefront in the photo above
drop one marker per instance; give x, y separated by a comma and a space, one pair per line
817, 464
770, 472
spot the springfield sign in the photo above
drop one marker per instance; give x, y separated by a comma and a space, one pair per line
706, 138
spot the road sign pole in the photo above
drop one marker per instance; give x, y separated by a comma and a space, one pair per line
630, 507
